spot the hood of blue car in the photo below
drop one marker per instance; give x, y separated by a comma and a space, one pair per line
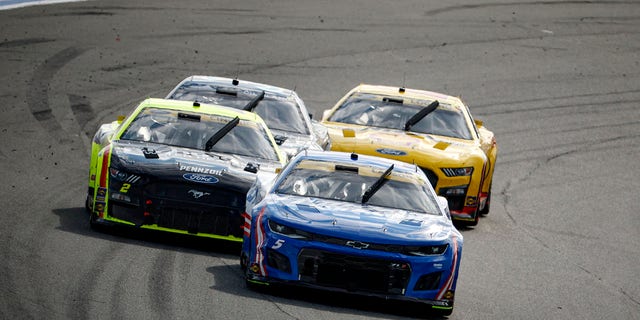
355, 221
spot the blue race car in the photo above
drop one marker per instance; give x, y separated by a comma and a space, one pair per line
356, 224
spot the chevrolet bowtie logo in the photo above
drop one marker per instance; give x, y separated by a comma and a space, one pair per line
357, 244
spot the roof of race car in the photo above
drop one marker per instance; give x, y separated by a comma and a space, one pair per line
200, 108
406, 92
357, 159
254, 86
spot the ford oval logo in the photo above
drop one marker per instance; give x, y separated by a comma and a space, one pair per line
200, 178
392, 152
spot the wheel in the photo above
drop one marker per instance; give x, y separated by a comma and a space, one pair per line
475, 220
243, 261
442, 312
95, 225
92, 221
469, 223
252, 285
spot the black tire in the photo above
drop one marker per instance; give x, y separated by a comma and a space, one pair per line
442, 312
92, 221
95, 225
471, 223
92, 216
475, 221
252, 286
243, 262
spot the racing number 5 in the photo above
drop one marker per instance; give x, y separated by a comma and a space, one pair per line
278, 244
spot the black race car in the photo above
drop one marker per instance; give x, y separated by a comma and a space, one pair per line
181, 167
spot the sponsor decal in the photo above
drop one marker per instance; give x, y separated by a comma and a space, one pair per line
102, 192
391, 152
215, 171
197, 194
411, 222
200, 178
471, 202
357, 244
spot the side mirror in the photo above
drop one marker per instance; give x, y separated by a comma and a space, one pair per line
120, 119
442, 201
326, 114
279, 139
479, 123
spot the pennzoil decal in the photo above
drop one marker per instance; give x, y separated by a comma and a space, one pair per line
392, 152
200, 178
217, 171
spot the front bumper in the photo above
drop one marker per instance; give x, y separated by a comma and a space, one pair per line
329, 266
445, 304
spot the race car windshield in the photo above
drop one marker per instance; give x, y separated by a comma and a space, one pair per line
277, 111
191, 130
325, 180
394, 113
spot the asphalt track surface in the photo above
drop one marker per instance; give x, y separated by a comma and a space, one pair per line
557, 81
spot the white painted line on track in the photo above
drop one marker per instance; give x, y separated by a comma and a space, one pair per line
12, 4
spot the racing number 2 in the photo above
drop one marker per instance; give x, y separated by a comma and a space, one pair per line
125, 187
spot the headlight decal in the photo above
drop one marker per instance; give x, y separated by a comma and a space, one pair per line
457, 172
429, 250
123, 176
287, 231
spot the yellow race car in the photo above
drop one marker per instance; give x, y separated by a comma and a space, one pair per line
432, 130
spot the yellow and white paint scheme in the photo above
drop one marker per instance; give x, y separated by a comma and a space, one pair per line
463, 168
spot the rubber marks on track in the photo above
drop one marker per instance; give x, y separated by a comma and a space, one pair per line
38, 96
82, 110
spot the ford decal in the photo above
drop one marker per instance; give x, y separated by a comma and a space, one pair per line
200, 178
